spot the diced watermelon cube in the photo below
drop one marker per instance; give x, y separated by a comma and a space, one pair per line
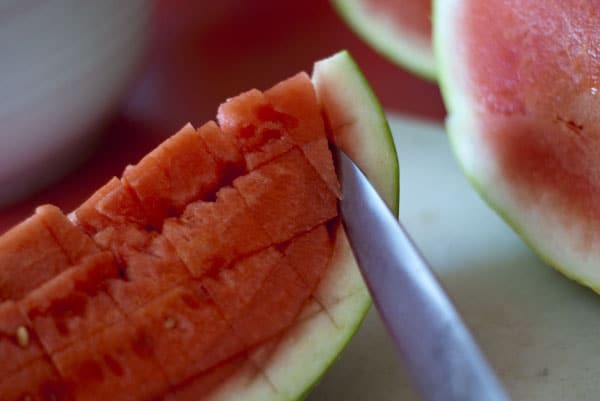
29, 256
233, 288
37, 381
18, 343
260, 131
288, 114
76, 243
224, 151
187, 333
309, 254
177, 172
115, 364
149, 266
73, 305
113, 204
269, 151
210, 235
319, 156
296, 99
274, 307
239, 118
277, 194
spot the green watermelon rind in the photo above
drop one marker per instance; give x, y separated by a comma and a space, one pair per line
414, 53
298, 365
462, 120
371, 127
371, 144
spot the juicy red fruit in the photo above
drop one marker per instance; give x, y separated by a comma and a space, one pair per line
535, 88
208, 247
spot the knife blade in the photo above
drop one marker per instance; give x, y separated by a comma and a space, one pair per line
436, 347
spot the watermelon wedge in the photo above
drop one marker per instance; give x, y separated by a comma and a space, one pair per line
520, 81
398, 29
216, 268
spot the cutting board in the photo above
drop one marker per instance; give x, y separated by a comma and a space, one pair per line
540, 331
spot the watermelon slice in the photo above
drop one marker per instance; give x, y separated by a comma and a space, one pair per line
215, 268
400, 30
520, 81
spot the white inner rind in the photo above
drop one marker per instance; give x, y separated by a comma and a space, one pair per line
401, 45
304, 352
560, 242
358, 123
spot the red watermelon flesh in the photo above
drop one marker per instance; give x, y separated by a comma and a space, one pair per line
261, 354
114, 364
309, 254
37, 381
319, 156
113, 204
16, 352
163, 181
267, 303
210, 235
286, 184
296, 97
285, 115
239, 119
197, 255
234, 287
223, 149
274, 307
73, 305
69, 237
23, 266
537, 97
270, 150
148, 266
205, 383
187, 333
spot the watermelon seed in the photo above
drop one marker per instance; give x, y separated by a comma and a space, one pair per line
170, 322
22, 336
27, 398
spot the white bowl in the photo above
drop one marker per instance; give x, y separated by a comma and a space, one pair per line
64, 65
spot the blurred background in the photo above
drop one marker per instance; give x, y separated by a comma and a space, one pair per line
134, 72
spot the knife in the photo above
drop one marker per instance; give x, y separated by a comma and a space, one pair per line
437, 349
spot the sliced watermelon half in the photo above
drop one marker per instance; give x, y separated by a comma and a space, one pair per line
520, 82
214, 269
399, 30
